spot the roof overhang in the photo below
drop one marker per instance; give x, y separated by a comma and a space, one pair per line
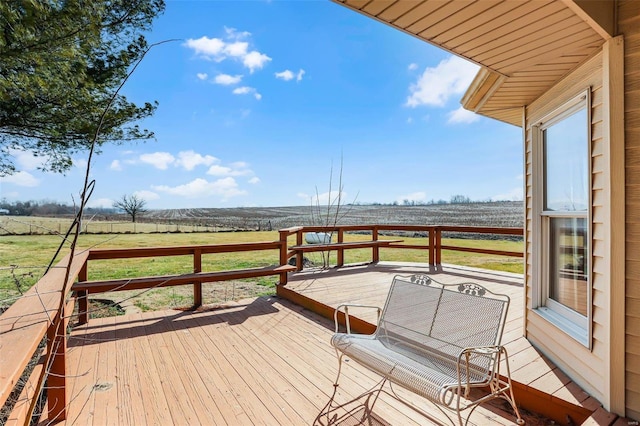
523, 47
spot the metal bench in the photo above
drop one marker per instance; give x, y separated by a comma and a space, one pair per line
436, 340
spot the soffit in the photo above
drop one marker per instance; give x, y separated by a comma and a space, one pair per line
524, 46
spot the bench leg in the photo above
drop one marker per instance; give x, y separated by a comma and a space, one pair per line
336, 414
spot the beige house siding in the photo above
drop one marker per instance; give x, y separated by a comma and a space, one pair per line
629, 26
586, 367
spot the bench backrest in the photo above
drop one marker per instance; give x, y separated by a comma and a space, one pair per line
423, 317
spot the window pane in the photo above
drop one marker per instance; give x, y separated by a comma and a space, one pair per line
568, 262
566, 168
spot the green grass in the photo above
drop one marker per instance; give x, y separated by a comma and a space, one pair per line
29, 256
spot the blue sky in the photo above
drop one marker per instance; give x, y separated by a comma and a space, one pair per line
258, 100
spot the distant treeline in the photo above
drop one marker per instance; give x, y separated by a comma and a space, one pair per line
45, 208
455, 199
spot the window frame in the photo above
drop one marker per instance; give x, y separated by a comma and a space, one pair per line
574, 324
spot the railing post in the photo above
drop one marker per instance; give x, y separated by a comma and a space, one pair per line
56, 379
299, 255
375, 250
284, 258
438, 246
432, 248
197, 286
83, 296
340, 260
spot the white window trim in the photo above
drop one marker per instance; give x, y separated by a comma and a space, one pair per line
572, 323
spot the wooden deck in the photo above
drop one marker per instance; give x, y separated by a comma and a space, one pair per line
265, 361
540, 385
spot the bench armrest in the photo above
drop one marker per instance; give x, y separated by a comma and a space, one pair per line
493, 374
346, 307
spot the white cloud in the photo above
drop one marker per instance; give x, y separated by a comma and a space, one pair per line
146, 195
462, 115
115, 165
80, 163
232, 46
245, 90
25, 160
190, 159
255, 60
285, 75
234, 34
237, 49
202, 75
254, 180
206, 47
414, 196
100, 203
217, 170
227, 188
21, 179
413, 66
436, 85
159, 160
226, 79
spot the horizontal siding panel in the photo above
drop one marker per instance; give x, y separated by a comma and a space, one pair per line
633, 326
598, 180
597, 130
598, 198
633, 363
628, 10
597, 149
581, 364
632, 266
633, 309
632, 289
632, 231
632, 343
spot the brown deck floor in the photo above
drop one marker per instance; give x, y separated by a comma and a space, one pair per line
369, 284
262, 361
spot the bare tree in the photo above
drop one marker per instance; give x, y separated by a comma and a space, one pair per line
132, 205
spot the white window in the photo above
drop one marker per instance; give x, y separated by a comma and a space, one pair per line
563, 283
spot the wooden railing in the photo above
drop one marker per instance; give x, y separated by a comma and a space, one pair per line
40, 314
43, 313
433, 245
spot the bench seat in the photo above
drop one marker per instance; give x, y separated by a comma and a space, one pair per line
426, 373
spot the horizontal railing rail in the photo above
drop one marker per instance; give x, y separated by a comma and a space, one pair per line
44, 311
434, 244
